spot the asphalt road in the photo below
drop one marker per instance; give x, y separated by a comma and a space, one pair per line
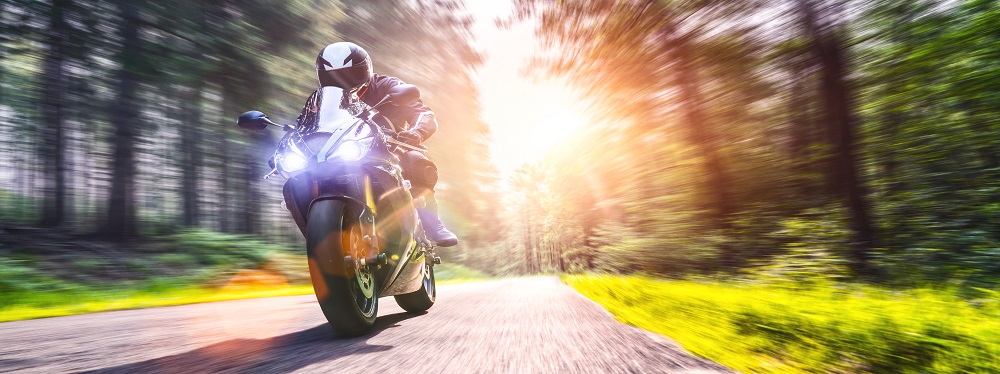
529, 325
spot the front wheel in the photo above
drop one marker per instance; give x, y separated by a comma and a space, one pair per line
347, 296
422, 299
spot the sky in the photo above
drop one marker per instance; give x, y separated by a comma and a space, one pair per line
527, 115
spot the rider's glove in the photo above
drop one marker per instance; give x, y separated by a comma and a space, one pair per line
410, 137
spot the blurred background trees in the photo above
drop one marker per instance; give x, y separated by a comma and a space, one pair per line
723, 136
117, 115
750, 135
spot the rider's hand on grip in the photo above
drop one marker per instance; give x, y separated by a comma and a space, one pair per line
409, 137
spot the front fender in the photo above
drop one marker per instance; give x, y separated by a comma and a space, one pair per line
325, 181
375, 196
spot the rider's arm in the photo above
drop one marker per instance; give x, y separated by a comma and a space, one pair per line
423, 122
418, 115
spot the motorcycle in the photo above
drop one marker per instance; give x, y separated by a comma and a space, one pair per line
347, 194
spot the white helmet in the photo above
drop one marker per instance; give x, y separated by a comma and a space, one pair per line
343, 64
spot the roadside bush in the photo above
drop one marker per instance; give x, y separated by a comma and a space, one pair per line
811, 244
231, 250
20, 282
88, 264
16, 277
16, 208
672, 246
183, 260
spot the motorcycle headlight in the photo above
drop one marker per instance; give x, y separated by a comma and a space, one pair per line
291, 162
353, 150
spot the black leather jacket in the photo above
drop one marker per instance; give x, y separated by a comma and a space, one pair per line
415, 116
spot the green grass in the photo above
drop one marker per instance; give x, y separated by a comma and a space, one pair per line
56, 298
842, 328
90, 301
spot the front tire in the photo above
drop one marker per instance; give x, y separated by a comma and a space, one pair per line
422, 299
347, 296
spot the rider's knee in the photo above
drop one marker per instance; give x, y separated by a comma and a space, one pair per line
421, 172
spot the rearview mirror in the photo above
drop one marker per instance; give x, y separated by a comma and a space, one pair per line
252, 121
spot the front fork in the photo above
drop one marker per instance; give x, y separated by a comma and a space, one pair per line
376, 259
373, 256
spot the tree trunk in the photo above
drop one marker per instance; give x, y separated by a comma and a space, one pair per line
702, 136
226, 196
560, 260
250, 211
526, 221
53, 145
836, 94
801, 126
121, 220
191, 156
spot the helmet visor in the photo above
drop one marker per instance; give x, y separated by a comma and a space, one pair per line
346, 78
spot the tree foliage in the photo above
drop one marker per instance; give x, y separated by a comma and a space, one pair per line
785, 135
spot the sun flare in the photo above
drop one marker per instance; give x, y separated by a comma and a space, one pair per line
552, 130
528, 115
529, 119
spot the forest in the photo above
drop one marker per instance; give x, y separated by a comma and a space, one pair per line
119, 116
793, 186
832, 139
808, 145
840, 139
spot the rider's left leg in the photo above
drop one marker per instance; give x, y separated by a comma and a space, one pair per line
423, 175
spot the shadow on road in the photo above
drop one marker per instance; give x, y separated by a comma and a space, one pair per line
278, 354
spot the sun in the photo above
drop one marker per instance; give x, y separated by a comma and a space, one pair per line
529, 119
554, 129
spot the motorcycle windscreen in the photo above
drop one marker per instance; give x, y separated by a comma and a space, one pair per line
332, 114
345, 129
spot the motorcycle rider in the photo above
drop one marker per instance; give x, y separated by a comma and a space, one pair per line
348, 66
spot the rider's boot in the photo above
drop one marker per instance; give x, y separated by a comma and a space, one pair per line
432, 223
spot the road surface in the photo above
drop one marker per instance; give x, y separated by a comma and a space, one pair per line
529, 325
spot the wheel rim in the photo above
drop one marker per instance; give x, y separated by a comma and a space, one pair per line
429, 280
363, 284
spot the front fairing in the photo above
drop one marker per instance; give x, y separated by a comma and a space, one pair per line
336, 132
360, 142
